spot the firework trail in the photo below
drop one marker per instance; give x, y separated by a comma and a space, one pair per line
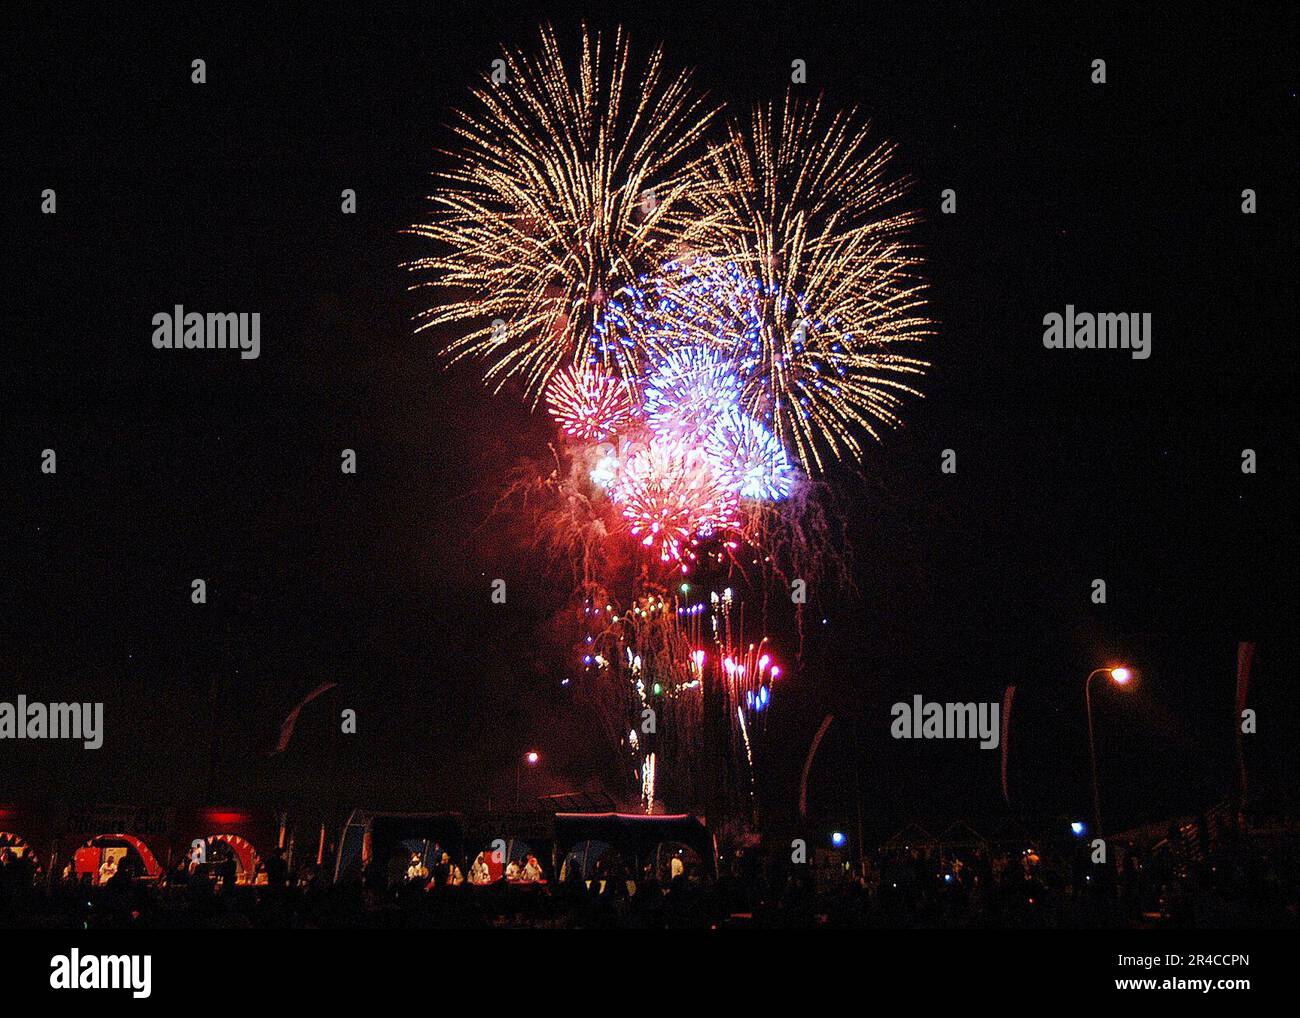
658, 673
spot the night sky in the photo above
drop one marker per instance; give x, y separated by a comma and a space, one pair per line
1072, 465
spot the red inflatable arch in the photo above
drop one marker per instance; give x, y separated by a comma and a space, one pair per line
16, 844
245, 855
90, 856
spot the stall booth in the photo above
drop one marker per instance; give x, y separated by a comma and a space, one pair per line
381, 844
77, 840
105, 855
515, 847
74, 841
223, 857
588, 844
214, 837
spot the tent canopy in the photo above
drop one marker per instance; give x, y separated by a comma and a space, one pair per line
963, 835
380, 836
635, 836
911, 836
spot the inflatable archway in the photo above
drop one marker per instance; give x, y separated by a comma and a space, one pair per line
104, 854
633, 837
246, 857
10, 842
382, 841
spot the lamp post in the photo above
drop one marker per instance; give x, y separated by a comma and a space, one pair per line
531, 758
1120, 676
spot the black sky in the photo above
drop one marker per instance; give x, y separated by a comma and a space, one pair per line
1071, 464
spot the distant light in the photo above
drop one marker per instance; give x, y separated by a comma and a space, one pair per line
658, 689
1078, 827
838, 839
217, 816
532, 757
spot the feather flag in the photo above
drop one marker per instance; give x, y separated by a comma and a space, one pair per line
807, 765
1006, 732
1245, 657
286, 729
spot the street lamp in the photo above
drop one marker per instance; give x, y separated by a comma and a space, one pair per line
532, 757
1121, 677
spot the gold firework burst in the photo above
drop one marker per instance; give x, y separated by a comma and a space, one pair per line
817, 287
568, 184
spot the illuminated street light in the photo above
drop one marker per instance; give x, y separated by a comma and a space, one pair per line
1120, 676
532, 758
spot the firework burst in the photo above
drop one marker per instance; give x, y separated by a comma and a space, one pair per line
589, 403
689, 391
818, 291
713, 323
749, 459
568, 183
671, 495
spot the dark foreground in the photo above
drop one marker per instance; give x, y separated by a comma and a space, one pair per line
1233, 887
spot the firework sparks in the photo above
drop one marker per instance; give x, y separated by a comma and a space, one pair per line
648, 783
819, 288
569, 183
750, 677
689, 390
589, 403
711, 325
672, 657
671, 494
749, 458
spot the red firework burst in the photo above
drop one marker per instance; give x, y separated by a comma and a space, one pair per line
671, 495
588, 403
